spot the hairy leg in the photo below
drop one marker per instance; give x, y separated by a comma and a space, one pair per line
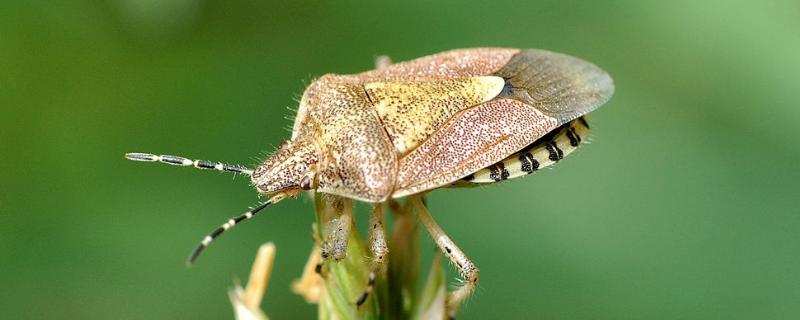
338, 231
466, 268
335, 214
378, 249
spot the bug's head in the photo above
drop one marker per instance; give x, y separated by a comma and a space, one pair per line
290, 169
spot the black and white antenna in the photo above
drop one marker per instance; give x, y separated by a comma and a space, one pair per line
184, 162
207, 165
224, 227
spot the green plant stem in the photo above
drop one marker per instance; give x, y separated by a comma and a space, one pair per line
395, 295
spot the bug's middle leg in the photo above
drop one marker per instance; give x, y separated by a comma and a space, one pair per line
469, 272
378, 249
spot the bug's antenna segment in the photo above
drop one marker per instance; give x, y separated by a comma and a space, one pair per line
229, 224
184, 162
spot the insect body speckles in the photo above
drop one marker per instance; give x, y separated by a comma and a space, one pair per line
459, 118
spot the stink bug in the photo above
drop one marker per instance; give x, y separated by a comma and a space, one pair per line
459, 118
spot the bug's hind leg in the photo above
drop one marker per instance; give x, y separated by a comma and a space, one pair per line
378, 249
469, 272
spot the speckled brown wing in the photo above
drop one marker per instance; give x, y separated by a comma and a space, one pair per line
472, 140
544, 90
447, 65
411, 111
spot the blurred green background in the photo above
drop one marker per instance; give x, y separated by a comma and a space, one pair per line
683, 207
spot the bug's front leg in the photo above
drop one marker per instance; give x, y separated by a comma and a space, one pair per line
338, 232
467, 269
336, 218
378, 249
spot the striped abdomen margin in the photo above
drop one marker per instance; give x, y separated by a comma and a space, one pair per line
546, 151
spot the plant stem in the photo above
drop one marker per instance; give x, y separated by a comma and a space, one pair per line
395, 295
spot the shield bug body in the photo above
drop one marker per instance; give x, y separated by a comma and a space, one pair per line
459, 118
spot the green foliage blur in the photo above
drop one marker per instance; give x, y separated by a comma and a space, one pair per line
683, 207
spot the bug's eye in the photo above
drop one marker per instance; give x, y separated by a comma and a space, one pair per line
305, 183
